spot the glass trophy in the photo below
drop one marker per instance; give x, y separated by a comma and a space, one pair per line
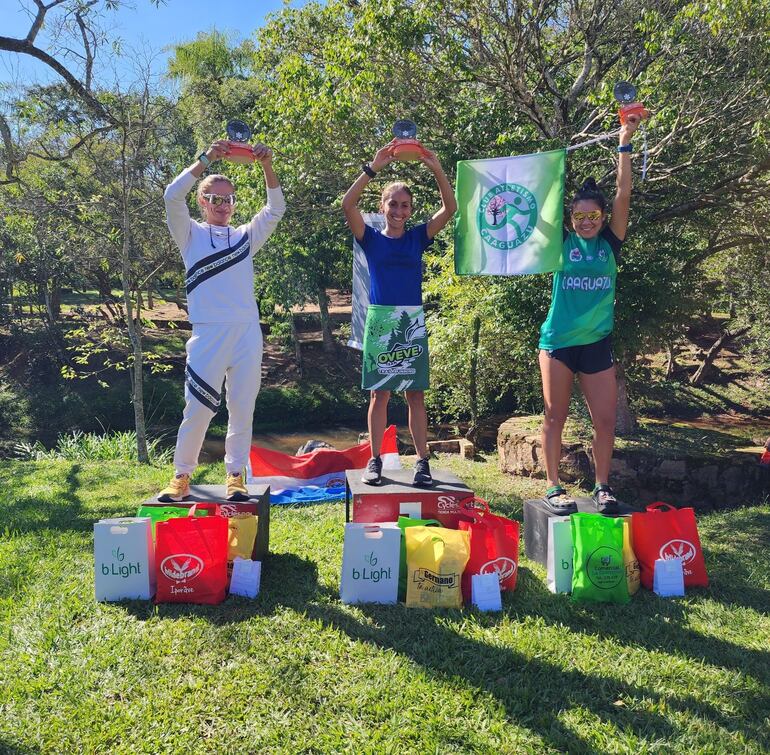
405, 146
238, 134
625, 94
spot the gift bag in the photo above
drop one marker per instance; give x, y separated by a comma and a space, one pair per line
124, 559
191, 558
559, 554
164, 513
435, 560
370, 563
242, 533
629, 559
667, 532
403, 523
494, 542
599, 572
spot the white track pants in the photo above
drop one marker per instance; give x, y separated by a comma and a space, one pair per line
217, 352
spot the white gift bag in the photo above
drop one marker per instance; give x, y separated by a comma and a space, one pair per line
370, 562
559, 554
124, 559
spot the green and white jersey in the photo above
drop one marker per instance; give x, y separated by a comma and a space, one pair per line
583, 294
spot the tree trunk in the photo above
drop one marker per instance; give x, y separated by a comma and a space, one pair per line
472, 382
296, 342
625, 420
150, 295
671, 361
326, 332
711, 355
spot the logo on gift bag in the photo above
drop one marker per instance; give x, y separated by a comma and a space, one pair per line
371, 559
605, 567
182, 567
503, 566
677, 548
435, 581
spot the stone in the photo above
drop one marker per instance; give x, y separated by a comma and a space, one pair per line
672, 469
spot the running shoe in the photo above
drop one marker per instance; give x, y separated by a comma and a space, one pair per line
373, 473
177, 490
422, 475
605, 500
235, 489
557, 501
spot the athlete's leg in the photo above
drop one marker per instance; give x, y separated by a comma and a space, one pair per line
377, 419
418, 422
242, 380
601, 394
600, 390
204, 372
557, 388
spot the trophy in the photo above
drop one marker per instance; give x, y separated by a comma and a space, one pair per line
239, 134
625, 94
405, 146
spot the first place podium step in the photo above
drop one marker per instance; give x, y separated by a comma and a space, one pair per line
258, 504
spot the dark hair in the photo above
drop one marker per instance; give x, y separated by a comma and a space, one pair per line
393, 187
590, 191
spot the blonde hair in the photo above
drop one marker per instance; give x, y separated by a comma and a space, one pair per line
207, 183
392, 188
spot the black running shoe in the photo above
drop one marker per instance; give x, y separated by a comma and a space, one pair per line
373, 472
557, 501
422, 475
605, 500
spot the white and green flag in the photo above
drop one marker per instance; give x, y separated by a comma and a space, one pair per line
510, 214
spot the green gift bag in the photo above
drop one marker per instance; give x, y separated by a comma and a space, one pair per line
164, 513
403, 523
599, 570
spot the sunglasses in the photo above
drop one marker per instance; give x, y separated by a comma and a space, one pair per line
593, 215
219, 199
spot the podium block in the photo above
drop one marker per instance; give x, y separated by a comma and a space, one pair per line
258, 504
536, 524
396, 496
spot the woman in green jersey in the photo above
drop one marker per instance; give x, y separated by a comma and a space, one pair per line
575, 338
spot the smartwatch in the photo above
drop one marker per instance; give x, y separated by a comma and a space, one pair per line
204, 159
366, 168
625, 148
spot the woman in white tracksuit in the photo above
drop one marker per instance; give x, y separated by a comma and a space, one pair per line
226, 342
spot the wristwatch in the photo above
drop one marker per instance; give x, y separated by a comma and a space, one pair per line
366, 168
625, 148
204, 159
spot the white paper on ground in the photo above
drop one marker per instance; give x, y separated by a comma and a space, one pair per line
668, 577
485, 592
246, 577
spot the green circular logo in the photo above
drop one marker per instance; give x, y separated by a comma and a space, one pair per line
605, 568
507, 216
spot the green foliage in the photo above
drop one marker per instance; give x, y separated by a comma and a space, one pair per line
79, 446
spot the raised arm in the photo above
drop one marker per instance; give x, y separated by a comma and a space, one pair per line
175, 196
353, 215
448, 201
622, 202
266, 220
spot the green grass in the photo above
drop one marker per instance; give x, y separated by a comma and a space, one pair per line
297, 671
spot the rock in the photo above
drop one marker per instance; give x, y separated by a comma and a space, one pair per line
672, 469
461, 446
312, 445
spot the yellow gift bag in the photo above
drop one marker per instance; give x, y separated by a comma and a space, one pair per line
629, 559
435, 560
242, 532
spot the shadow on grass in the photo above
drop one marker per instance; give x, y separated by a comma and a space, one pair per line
8, 748
62, 509
533, 692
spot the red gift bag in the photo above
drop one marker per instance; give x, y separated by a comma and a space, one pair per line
494, 545
191, 558
667, 532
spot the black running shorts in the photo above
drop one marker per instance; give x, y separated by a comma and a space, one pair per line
589, 358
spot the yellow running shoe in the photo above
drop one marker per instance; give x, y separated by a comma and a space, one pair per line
236, 488
178, 489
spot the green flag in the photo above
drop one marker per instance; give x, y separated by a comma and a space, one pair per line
510, 214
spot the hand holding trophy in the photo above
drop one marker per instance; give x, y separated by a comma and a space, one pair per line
239, 151
625, 94
405, 146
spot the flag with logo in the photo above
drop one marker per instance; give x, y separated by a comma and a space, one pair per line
318, 476
510, 214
